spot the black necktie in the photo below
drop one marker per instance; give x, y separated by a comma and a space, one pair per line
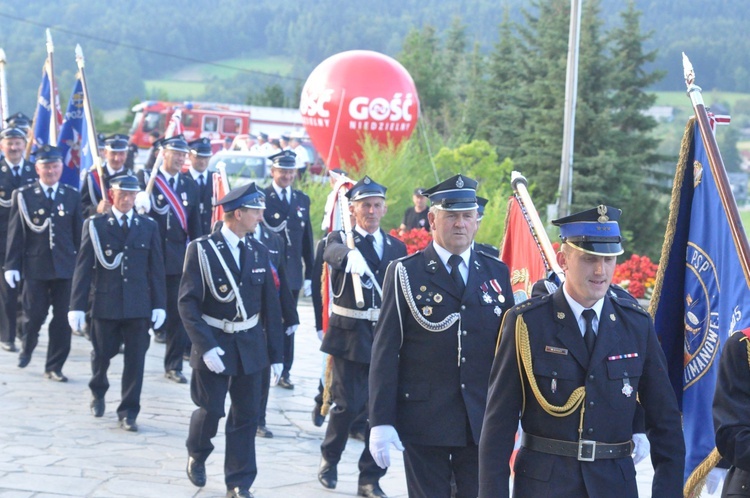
16, 176
125, 228
50, 197
371, 239
283, 197
589, 337
455, 261
171, 183
243, 252
201, 185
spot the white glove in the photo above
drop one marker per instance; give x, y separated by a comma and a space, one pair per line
355, 263
320, 335
381, 437
12, 276
212, 359
276, 369
142, 202
157, 317
307, 288
714, 479
291, 329
642, 447
76, 320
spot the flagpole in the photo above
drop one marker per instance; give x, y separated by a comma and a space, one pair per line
90, 129
519, 183
52, 93
717, 166
3, 90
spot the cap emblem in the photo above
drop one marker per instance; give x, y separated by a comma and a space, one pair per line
460, 182
602, 210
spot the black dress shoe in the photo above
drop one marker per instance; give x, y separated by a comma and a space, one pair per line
23, 360
160, 337
359, 436
55, 375
9, 346
284, 382
371, 491
128, 424
239, 493
176, 376
97, 406
196, 472
263, 431
317, 417
328, 474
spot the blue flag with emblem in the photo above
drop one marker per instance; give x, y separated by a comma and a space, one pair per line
71, 135
43, 115
702, 292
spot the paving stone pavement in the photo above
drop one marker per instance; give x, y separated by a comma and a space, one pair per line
51, 445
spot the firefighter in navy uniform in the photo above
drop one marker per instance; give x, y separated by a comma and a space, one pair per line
116, 151
230, 307
44, 234
290, 318
200, 153
121, 269
350, 330
585, 360
730, 411
433, 349
15, 172
485, 248
288, 214
174, 205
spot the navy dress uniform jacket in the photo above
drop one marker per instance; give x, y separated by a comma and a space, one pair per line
50, 254
9, 183
253, 347
419, 381
135, 287
730, 409
297, 234
346, 337
174, 238
277, 254
205, 204
560, 365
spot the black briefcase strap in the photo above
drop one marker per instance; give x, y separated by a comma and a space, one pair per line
584, 450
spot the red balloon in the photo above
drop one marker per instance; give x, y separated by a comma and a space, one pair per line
354, 93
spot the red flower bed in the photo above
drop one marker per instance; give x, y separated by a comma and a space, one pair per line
415, 239
637, 275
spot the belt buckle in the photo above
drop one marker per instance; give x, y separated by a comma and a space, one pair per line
373, 312
228, 327
586, 450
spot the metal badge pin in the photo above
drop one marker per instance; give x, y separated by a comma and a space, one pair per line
553, 386
223, 288
41, 211
419, 296
276, 216
36, 221
627, 389
61, 213
108, 252
486, 298
427, 310
560, 315
498, 310
612, 317
422, 288
501, 298
438, 298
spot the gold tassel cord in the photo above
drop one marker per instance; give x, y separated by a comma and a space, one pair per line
524, 352
696, 481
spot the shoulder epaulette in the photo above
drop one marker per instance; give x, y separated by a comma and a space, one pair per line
488, 256
631, 305
531, 303
27, 186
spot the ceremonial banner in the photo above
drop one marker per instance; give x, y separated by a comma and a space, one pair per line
521, 252
48, 105
70, 138
702, 292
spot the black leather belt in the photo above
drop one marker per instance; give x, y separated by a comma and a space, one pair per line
584, 450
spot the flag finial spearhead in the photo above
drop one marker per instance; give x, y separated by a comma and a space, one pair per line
50, 45
687, 68
79, 56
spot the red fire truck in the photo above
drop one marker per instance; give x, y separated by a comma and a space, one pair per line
213, 120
